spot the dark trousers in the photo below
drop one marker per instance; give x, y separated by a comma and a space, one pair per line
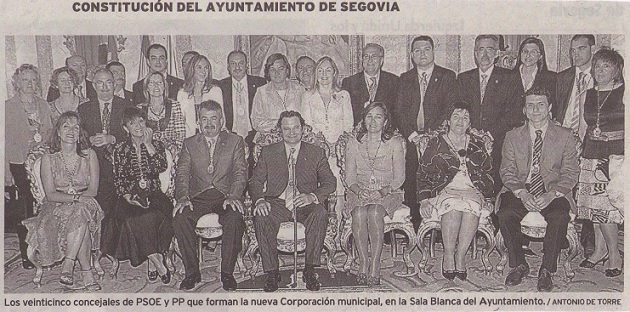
410, 184
108, 200
210, 201
315, 219
24, 191
512, 211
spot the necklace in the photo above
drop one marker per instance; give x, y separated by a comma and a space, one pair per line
137, 160
70, 173
283, 99
326, 106
598, 131
33, 119
158, 113
74, 103
371, 162
461, 152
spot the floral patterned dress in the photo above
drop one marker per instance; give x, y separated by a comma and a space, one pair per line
48, 231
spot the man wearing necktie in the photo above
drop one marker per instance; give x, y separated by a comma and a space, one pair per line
571, 87
425, 92
275, 195
539, 170
492, 93
211, 177
101, 118
238, 96
572, 84
372, 84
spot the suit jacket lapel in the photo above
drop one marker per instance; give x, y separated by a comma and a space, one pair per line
526, 141
567, 85
433, 83
548, 143
476, 86
218, 149
491, 86
251, 90
99, 119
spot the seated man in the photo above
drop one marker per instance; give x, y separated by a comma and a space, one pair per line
211, 177
314, 181
539, 169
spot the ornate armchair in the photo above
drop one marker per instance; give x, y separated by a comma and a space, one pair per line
430, 225
33, 166
285, 234
400, 221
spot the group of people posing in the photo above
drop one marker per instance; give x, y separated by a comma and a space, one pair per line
106, 148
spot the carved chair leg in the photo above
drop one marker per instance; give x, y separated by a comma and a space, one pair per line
392, 240
474, 247
200, 249
37, 280
331, 250
432, 243
96, 264
488, 233
572, 252
500, 243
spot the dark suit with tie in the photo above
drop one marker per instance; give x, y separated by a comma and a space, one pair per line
386, 92
565, 82
559, 170
499, 111
253, 82
91, 122
128, 95
271, 178
174, 84
441, 91
90, 92
207, 189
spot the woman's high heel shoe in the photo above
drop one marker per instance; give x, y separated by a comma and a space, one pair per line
166, 278
152, 275
67, 278
89, 282
373, 281
613, 272
448, 274
362, 279
586, 263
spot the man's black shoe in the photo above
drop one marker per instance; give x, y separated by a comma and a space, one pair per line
271, 285
310, 278
189, 281
229, 282
544, 280
517, 274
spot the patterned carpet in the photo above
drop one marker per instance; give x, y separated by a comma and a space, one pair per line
134, 280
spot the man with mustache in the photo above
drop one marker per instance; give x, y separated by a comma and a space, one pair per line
211, 178
120, 79
491, 93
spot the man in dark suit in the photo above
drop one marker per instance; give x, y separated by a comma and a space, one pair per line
157, 60
539, 169
84, 88
491, 93
372, 84
571, 89
211, 177
425, 92
572, 84
276, 195
101, 119
120, 79
238, 95
305, 71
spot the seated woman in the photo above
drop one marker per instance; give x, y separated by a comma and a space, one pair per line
68, 226
375, 171
143, 211
454, 178
164, 116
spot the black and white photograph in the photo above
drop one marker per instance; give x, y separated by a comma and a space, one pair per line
423, 161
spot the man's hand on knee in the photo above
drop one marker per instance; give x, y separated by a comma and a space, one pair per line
262, 208
236, 205
181, 204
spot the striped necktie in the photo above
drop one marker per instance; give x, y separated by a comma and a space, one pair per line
575, 117
536, 185
289, 194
